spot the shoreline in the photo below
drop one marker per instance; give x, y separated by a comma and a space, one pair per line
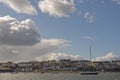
58, 72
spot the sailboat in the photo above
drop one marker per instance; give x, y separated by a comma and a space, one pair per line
89, 72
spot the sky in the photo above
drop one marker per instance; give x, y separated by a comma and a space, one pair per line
59, 29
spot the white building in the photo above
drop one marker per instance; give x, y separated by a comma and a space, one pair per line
25, 67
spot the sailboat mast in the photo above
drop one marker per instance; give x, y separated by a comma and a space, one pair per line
90, 53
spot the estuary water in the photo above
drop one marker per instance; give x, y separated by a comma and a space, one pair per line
59, 76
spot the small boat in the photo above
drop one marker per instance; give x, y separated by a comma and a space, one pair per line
89, 73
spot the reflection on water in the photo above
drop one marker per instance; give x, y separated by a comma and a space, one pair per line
60, 76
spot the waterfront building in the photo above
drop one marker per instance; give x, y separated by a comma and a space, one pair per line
25, 67
37, 65
110, 66
7, 65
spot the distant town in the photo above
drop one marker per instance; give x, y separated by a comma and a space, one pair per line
61, 65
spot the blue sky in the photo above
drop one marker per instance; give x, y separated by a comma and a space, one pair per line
90, 22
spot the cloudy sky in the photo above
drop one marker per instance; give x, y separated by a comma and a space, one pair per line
57, 29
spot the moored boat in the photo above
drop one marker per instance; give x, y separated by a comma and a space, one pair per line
89, 73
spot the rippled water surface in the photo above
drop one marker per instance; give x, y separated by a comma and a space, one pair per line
60, 76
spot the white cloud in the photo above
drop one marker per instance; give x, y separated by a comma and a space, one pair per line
108, 57
89, 17
57, 8
87, 37
20, 41
58, 56
14, 32
116, 1
20, 6
30, 53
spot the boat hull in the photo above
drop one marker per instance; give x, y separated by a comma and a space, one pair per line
89, 73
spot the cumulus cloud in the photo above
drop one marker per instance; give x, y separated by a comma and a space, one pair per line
30, 53
47, 46
20, 6
58, 56
108, 57
57, 8
14, 32
116, 1
89, 17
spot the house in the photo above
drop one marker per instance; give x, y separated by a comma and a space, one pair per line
24, 66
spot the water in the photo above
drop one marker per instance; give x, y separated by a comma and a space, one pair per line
60, 76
